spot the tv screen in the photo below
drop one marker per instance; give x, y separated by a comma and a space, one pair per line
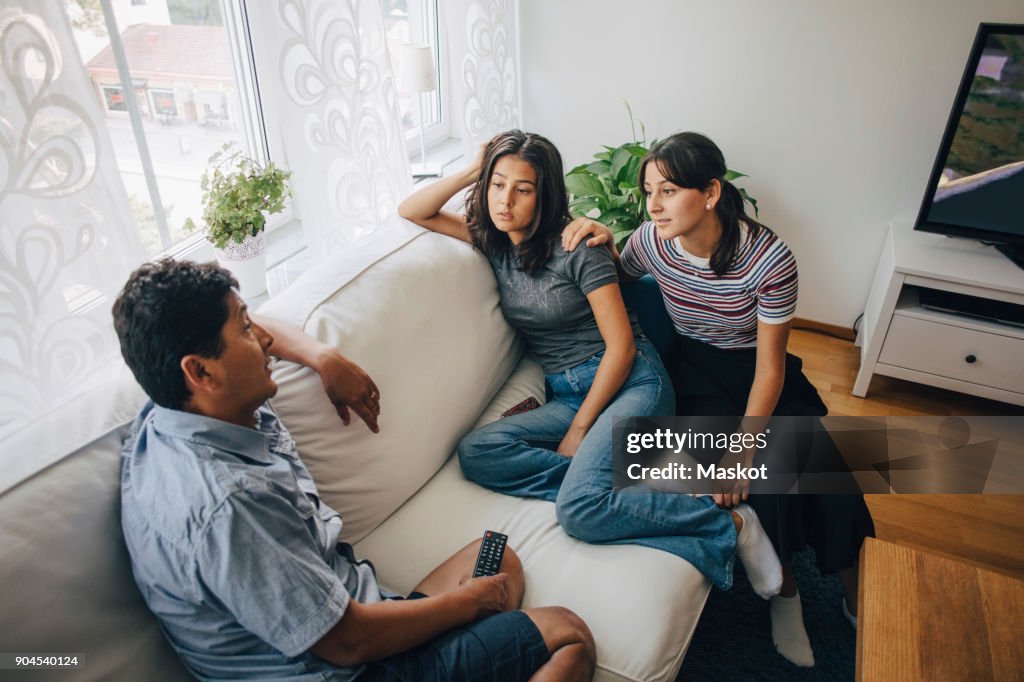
976, 188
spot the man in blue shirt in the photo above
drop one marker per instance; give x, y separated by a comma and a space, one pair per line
234, 550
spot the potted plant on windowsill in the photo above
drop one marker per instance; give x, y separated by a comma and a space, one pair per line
238, 194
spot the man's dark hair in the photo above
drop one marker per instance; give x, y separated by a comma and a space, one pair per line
167, 310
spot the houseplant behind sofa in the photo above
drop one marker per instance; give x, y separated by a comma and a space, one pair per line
237, 193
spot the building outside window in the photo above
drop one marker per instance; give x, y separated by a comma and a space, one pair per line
189, 82
194, 93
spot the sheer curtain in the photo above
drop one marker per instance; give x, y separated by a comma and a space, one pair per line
67, 239
483, 38
326, 85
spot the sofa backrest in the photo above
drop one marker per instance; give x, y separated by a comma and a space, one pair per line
64, 568
420, 313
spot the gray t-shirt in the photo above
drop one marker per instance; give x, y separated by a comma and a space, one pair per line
551, 308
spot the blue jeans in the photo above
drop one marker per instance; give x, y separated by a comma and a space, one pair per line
517, 456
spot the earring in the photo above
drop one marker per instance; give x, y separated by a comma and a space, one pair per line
707, 207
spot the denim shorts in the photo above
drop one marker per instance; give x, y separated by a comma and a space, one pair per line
505, 646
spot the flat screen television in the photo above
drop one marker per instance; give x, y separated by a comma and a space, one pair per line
976, 189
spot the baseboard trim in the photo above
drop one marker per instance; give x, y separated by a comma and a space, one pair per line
831, 329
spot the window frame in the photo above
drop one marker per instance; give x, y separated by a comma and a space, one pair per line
252, 129
429, 30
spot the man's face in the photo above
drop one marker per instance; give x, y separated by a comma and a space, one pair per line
245, 363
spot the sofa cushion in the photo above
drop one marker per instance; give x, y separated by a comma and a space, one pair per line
641, 604
419, 313
67, 578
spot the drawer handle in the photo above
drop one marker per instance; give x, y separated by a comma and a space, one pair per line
971, 359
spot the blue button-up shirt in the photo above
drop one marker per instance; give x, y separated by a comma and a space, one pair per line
232, 547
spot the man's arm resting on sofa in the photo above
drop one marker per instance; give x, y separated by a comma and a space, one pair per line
346, 384
367, 632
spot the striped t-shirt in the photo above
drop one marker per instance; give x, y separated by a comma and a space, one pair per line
722, 311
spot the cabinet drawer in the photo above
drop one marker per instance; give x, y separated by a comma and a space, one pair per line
944, 349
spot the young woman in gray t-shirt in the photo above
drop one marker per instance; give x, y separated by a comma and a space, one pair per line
597, 366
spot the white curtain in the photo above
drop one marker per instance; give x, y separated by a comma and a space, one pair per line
483, 40
326, 84
67, 240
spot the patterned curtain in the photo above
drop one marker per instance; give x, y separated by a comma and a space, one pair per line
67, 239
483, 40
327, 84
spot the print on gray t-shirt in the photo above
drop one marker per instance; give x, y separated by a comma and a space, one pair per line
551, 308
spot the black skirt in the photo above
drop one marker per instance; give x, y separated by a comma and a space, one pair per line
712, 381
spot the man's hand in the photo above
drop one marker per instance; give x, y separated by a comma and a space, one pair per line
489, 593
346, 384
581, 228
349, 387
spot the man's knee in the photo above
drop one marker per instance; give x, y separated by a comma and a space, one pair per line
511, 565
561, 627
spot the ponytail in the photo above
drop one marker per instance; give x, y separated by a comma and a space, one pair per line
730, 211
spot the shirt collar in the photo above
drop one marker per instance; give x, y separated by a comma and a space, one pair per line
705, 263
251, 443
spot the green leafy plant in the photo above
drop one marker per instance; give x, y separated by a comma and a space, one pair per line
607, 189
237, 194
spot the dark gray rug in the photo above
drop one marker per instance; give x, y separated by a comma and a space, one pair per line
733, 640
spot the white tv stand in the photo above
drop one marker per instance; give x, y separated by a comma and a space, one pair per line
901, 339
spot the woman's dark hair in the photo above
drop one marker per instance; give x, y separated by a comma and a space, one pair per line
692, 160
552, 209
167, 310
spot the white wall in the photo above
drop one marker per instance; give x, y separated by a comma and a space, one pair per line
834, 108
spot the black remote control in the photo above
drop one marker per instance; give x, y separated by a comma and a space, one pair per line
492, 548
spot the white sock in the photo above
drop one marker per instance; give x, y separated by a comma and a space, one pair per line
757, 554
788, 631
851, 619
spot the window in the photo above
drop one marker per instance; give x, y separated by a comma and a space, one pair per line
113, 97
164, 105
416, 22
192, 94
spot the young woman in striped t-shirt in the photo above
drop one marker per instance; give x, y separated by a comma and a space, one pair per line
730, 286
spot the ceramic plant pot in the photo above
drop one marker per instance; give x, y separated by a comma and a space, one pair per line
247, 262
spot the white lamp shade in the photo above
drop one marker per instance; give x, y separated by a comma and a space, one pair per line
416, 72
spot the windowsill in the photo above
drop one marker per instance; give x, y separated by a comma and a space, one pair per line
287, 255
447, 153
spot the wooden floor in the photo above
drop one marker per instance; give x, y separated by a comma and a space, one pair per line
984, 530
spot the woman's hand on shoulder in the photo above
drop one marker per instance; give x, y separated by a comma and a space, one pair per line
582, 228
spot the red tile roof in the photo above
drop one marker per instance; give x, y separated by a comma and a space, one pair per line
177, 51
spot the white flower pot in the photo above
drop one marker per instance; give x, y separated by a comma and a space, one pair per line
248, 263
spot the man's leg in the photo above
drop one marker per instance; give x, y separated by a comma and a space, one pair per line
569, 641
459, 567
545, 643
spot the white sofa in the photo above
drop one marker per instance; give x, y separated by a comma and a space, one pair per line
420, 313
